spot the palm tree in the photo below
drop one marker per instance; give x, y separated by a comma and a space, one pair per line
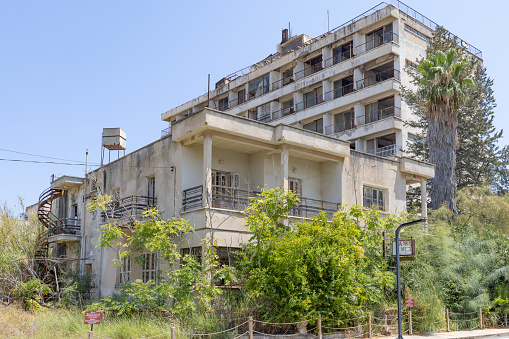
444, 78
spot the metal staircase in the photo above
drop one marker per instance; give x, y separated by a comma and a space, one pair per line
47, 218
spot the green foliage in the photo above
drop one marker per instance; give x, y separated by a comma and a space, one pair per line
32, 293
334, 268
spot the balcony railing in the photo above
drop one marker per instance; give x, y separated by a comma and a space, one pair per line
129, 207
309, 102
381, 114
66, 226
385, 151
389, 37
387, 74
282, 113
237, 199
165, 132
340, 127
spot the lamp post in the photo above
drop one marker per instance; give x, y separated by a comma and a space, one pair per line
400, 330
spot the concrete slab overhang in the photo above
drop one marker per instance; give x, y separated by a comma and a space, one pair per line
62, 238
232, 131
373, 129
416, 171
65, 182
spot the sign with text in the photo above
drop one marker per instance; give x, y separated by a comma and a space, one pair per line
406, 249
92, 318
409, 302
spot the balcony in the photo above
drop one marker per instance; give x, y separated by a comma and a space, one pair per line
385, 151
64, 230
378, 77
237, 199
165, 132
128, 208
381, 114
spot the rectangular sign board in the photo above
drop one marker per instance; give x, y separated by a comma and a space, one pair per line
92, 318
406, 247
409, 302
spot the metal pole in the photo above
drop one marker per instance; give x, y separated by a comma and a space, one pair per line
82, 228
410, 329
398, 283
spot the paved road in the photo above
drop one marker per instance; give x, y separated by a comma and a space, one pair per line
498, 333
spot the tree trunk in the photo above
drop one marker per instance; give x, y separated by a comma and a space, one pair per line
442, 136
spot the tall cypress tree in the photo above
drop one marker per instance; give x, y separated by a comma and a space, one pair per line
479, 160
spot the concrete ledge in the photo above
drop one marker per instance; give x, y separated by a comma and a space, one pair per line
417, 168
61, 238
66, 181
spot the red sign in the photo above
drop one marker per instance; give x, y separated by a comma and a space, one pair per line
409, 302
92, 318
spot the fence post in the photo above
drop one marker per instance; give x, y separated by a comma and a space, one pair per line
505, 318
447, 320
90, 334
480, 318
173, 332
369, 325
410, 330
319, 324
250, 324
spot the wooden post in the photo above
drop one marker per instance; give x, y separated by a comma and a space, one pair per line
172, 332
447, 320
410, 323
369, 325
505, 318
480, 319
319, 324
91, 335
250, 324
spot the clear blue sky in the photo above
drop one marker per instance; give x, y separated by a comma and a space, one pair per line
70, 68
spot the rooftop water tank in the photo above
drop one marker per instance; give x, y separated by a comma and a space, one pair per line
114, 138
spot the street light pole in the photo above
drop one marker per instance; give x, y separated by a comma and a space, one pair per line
400, 330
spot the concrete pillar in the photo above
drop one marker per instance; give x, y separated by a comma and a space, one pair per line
327, 57
298, 70
360, 145
275, 107
207, 170
359, 43
232, 99
212, 104
401, 138
358, 112
358, 75
328, 123
328, 93
275, 80
285, 156
298, 101
396, 28
424, 200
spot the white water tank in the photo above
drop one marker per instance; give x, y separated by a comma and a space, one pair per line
114, 138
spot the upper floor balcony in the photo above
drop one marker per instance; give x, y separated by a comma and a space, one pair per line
64, 230
127, 209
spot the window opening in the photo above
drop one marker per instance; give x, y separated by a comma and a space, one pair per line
223, 104
259, 86
315, 126
149, 267
342, 52
125, 270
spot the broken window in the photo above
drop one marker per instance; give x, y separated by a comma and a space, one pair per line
373, 197
287, 76
193, 251
379, 110
223, 104
295, 185
343, 87
315, 126
344, 121
419, 34
151, 187
379, 37
149, 267
313, 65
313, 97
241, 96
124, 270
226, 256
258, 86
342, 52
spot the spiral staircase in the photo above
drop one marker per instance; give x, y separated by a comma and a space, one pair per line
47, 218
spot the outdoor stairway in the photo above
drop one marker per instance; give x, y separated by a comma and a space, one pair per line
44, 208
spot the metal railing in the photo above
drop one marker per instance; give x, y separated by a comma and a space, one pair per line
381, 114
66, 226
231, 198
340, 126
377, 41
165, 132
129, 207
338, 92
192, 198
385, 151
309, 102
378, 77
283, 112
309, 208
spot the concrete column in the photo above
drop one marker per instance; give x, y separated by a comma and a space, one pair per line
328, 94
360, 145
212, 104
298, 101
358, 75
424, 200
274, 80
328, 122
232, 99
207, 170
298, 70
327, 57
401, 138
359, 43
358, 112
285, 156
275, 106
396, 28
397, 104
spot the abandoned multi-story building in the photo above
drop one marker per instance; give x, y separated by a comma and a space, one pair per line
322, 117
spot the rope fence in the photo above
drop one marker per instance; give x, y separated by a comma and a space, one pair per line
347, 328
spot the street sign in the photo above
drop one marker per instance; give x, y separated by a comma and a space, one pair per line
92, 318
409, 302
406, 249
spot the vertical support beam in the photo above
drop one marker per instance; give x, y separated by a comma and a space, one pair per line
359, 111
327, 57
480, 318
173, 332
275, 80
285, 156
369, 326
298, 70
401, 137
424, 200
410, 329
250, 326
328, 123
359, 43
232, 99
360, 145
207, 171
275, 106
328, 94
358, 75
298, 101
319, 325
505, 319
447, 323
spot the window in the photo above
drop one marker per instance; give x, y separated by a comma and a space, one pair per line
343, 87
315, 126
287, 76
288, 107
295, 185
344, 121
414, 138
380, 109
151, 187
241, 97
342, 52
373, 197
313, 97
313, 65
379, 37
264, 112
75, 211
124, 271
226, 256
419, 34
223, 104
293, 45
193, 251
258, 86
149, 267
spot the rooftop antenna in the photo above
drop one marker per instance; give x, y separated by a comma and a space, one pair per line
328, 29
289, 31
208, 92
